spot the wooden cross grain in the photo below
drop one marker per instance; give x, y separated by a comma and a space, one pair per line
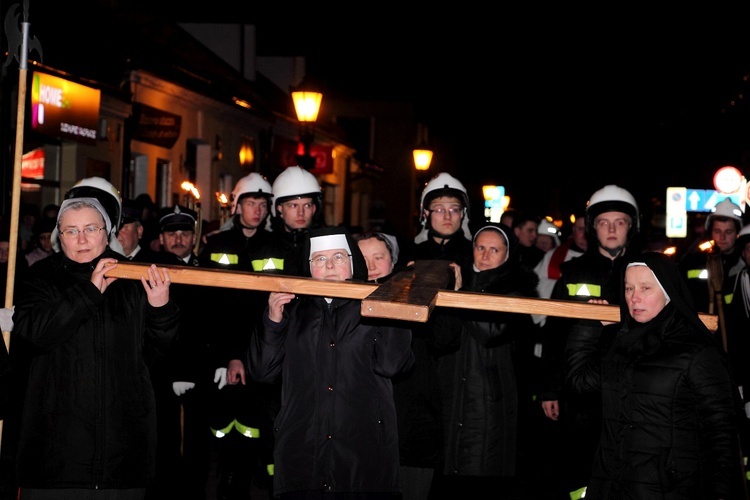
410, 295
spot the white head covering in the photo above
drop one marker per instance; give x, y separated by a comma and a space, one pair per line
655, 278
89, 201
114, 243
330, 242
392, 244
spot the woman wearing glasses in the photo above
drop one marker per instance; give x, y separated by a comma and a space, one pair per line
336, 433
89, 421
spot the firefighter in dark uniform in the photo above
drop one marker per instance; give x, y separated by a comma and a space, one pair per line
723, 225
612, 221
241, 419
297, 207
187, 369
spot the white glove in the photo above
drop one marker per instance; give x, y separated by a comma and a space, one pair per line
220, 377
181, 388
6, 319
747, 409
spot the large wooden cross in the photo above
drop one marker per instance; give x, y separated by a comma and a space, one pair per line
410, 295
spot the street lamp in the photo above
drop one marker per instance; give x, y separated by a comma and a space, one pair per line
307, 105
422, 154
422, 159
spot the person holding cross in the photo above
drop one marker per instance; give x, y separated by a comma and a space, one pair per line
669, 407
89, 415
336, 430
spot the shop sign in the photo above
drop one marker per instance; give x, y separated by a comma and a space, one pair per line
287, 152
155, 126
61, 108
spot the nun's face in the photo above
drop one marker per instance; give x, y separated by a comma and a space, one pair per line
333, 265
377, 257
643, 294
90, 238
490, 250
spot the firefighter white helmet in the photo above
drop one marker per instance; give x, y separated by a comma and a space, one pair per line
442, 184
252, 184
107, 194
725, 208
295, 182
612, 198
546, 227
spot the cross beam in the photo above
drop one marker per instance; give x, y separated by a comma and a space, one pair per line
410, 295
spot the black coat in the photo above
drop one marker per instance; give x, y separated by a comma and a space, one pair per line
89, 419
669, 407
336, 430
478, 380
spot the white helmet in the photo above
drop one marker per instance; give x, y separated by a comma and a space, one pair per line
252, 184
727, 209
442, 184
612, 198
107, 194
295, 182
546, 227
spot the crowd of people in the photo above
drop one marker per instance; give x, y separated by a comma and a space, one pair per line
123, 390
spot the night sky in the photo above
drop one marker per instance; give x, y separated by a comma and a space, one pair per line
553, 105
551, 102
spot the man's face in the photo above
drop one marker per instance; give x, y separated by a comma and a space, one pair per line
180, 243
579, 233
253, 211
724, 234
297, 213
129, 235
526, 233
612, 229
446, 214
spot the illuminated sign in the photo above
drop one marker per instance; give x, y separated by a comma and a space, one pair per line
156, 126
61, 108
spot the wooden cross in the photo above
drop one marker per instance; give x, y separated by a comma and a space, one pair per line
410, 295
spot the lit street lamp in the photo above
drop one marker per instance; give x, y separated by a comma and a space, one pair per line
307, 105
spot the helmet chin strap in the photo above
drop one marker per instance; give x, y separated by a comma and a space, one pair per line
614, 252
434, 234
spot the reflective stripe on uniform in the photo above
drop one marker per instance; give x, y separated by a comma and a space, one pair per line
578, 494
269, 469
584, 290
268, 264
694, 274
248, 432
728, 298
224, 258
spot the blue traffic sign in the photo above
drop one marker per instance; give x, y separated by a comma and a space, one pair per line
704, 200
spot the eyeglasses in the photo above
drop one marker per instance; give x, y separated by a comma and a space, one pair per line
87, 231
339, 259
441, 211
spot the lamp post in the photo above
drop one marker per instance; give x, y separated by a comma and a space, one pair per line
307, 105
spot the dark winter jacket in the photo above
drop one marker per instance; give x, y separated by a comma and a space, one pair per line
669, 409
89, 417
417, 392
479, 383
336, 430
